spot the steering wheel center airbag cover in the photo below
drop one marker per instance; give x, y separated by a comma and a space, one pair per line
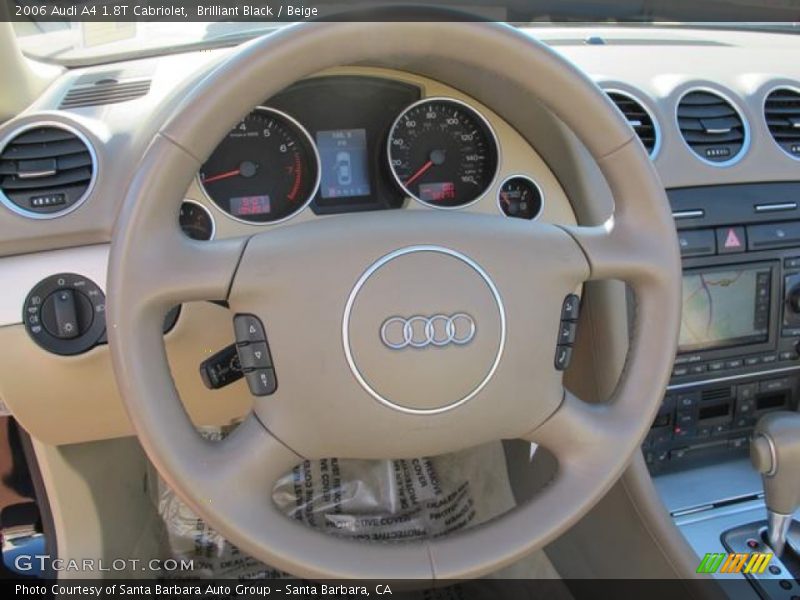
424, 329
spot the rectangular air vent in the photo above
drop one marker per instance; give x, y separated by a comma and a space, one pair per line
105, 91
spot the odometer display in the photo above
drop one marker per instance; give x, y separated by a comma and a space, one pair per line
443, 153
265, 170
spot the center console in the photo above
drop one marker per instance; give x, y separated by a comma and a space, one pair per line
739, 345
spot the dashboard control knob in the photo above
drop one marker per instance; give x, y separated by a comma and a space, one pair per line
65, 314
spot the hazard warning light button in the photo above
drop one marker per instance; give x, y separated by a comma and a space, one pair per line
731, 240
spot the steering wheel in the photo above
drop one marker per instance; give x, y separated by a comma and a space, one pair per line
324, 288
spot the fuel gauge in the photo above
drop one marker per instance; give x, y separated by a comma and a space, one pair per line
195, 221
520, 197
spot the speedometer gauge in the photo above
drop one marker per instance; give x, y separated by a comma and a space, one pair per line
265, 170
443, 153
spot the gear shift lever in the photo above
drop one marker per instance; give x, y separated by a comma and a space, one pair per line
775, 453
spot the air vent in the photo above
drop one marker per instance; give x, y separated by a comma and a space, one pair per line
45, 170
712, 127
105, 91
716, 393
782, 112
639, 118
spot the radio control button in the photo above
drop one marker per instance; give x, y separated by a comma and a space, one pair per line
788, 355
792, 262
791, 332
775, 385
735, 363
698, 369
752, 361
769, 358
687, 400
716, 365
680, 371
746, 392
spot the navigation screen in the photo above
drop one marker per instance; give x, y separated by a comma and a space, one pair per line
343, 154
725, 308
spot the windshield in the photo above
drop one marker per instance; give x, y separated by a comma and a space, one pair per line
83, 33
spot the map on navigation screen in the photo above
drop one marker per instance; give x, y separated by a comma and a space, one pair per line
725, 308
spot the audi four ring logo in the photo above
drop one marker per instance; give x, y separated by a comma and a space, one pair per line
421, 332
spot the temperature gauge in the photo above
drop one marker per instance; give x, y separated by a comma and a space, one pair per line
520, 197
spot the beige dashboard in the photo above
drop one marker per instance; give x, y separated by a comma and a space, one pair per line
69, 399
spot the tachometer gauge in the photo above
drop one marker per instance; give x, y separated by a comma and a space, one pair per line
265, 170
443, 153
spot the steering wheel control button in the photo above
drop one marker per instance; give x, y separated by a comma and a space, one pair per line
567, 332
563, 357
262, 382
221, 369
254, 356
65, 314
247, 329
571, 308
447, 328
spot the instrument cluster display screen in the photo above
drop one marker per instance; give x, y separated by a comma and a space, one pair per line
343, 155
725, 307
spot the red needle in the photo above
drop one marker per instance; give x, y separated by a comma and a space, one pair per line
419, 173
224, 175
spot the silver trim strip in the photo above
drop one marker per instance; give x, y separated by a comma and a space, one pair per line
351, 301
481, 118
681, 386
688, 214
735, 106
521, 176
295, 123
776, 207
75, 205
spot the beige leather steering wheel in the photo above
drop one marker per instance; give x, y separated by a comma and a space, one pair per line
324, 288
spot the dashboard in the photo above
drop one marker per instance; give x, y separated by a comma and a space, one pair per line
710, 107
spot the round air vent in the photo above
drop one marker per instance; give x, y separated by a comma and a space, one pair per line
782, 113
641, 119
712, 127
46, 170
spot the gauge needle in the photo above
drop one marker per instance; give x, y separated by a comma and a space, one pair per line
224, 175
422, 170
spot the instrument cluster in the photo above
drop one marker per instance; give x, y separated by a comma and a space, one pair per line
351, 143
